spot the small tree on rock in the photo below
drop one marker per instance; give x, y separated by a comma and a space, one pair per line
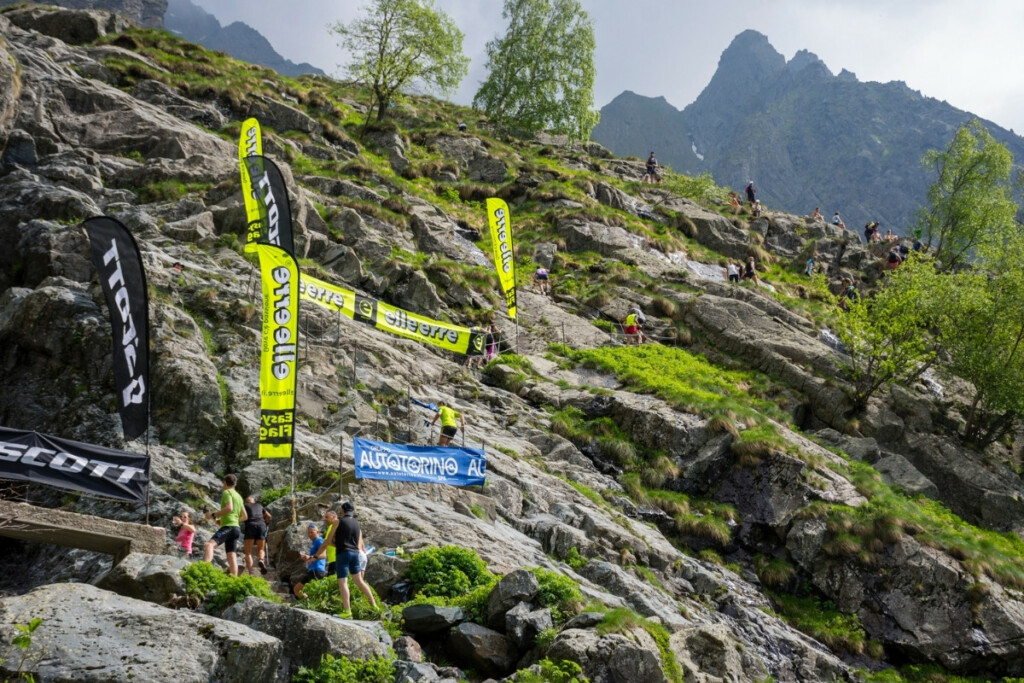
541, 73
401, 43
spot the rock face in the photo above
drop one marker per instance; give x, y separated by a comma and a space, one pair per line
145, 13
307, 635
153, 578
129, 637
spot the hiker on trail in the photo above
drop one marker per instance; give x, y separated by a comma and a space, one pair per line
329, 552
632, 326
652, 175
347, 538
232, 511
751, 193
750, 272
186, 533
733, 270
315, 566
541, 280
254, 532
816, 216
809, 268
448, 416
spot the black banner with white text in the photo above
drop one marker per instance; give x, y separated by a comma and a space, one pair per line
116, 257
42, 459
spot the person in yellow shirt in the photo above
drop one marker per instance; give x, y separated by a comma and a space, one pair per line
448, 422
327, 551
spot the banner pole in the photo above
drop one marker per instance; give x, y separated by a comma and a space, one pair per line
148, 468
408, 404
341, 465
294, 512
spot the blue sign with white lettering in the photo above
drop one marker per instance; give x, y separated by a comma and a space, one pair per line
425, 464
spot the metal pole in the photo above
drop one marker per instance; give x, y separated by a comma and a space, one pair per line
408, 406
294, 511
341, 465
517, 334
565, 349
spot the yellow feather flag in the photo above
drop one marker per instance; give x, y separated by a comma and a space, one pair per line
499, 219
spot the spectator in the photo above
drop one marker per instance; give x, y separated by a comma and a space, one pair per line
254, 532
734, 200
809, 268
347, 537
869, 230
462, 127
491, 342
652, 175
836, 220
315, 566
448, 416
755, 209
733, 271
186, 532
816, 216
893, 261
329, 552
751, 193
890, 236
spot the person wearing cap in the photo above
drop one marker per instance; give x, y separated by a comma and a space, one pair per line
751, 193
315, 566
652, 175
347, 538
448, 417
327, 551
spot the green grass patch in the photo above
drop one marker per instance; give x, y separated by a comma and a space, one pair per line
623, 619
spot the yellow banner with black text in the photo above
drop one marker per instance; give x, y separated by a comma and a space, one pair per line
278, 351
504, 255
250, 143
391, 319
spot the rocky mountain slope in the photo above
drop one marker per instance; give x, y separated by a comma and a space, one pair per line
723, 511
805, 136
238, 39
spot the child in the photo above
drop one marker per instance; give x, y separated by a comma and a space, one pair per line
186, 533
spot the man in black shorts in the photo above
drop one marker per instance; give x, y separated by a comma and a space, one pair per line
231, 508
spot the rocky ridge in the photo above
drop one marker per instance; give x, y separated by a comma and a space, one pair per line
82, 135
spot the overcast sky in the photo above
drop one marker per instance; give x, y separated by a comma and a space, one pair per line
967, 52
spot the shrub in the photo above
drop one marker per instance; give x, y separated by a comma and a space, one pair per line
561, 671
322, 595
450, 571
559, 593
208, 585
575, 560
344, 670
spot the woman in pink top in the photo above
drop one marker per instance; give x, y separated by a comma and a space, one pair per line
186, 533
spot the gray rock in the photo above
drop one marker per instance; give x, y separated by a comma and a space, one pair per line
153, 578
522, 624
487, 169
427, 619
484, 649
897, 471
515, 587
281, 117
72, 26
307, 635
129, 639
408, 649
613, 658
384, 571
413, 672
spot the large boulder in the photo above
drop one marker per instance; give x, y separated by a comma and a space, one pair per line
72, 26
153, 578
483, 649
427, 619
307, 635
95, 636
516, 587
612, 658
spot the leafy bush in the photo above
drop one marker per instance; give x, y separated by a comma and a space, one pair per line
208, 585
559, 593
561, 671
449, 571
322, 595
344, 670
575, 560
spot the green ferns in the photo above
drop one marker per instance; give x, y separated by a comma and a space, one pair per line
215, 590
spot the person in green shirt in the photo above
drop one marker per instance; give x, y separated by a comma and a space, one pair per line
327, 551
448, 417
231, 508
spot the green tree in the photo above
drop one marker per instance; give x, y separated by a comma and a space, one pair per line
400, 44
982, 329
541, 73
971, 200
887, 336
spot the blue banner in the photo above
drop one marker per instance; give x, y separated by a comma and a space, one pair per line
424, 464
